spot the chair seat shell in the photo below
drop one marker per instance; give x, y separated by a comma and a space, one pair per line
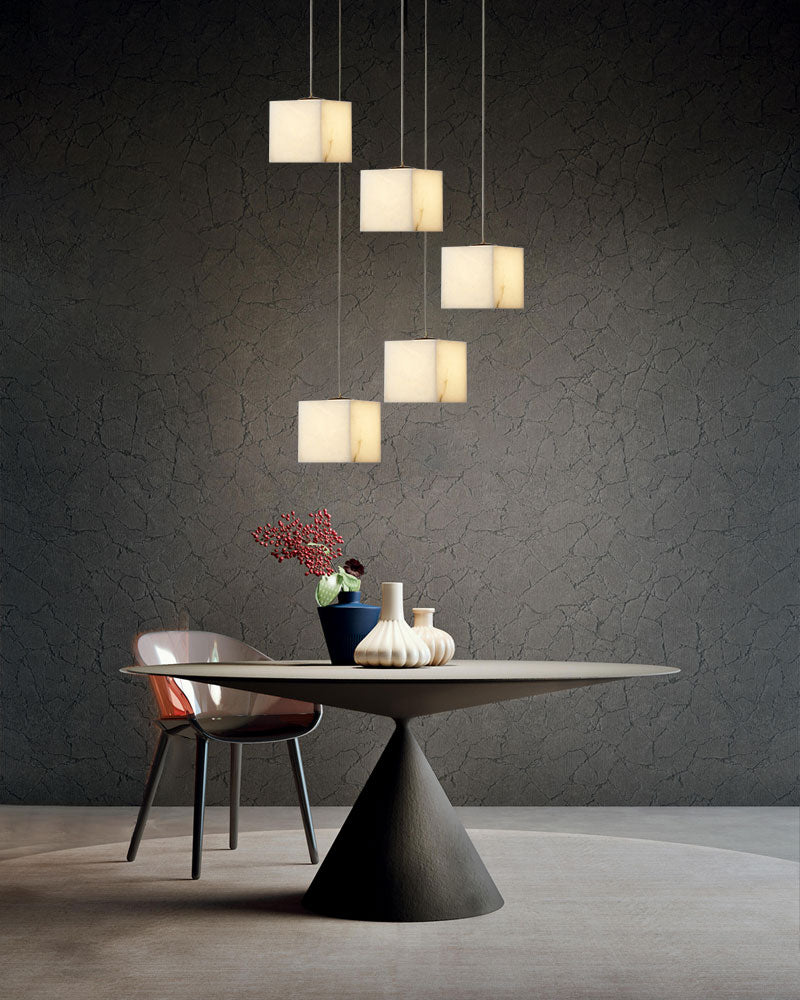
220, 712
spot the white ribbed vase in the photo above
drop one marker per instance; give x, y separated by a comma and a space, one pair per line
439, 642
392, 643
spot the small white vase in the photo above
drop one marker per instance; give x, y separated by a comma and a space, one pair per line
439, 642
392, 643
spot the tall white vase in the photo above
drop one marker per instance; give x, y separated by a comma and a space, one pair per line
392, 643
439, 642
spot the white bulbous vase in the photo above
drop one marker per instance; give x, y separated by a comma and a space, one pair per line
392, 643
439, 642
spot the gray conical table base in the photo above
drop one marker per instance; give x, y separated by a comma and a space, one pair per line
402, 853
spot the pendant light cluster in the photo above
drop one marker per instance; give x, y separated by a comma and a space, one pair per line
396, 199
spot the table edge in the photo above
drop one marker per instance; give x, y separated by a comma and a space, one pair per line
396, 675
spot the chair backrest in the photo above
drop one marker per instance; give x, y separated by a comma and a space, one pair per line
176, 698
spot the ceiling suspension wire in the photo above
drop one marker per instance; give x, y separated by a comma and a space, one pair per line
339, 240
310, 48
339, 293
402, 77
425, 86
425, 166
483, 120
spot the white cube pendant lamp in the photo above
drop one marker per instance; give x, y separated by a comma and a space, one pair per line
402, 199
338, 430
311, 130
483, 276
425, 371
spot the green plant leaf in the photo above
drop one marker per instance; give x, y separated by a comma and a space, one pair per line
327, 589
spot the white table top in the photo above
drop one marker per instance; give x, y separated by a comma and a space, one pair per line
402, 691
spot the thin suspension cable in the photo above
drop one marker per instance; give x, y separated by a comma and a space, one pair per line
402, 75
339, 241
310, 48
425, 283
425, 85
483, 121
339, 294
425, 165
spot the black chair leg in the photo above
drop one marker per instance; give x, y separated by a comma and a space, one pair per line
200, 769
302, 795
153, 778
236, 789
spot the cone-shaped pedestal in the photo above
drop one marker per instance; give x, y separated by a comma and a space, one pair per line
402, 853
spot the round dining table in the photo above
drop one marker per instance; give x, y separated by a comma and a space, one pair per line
402, 853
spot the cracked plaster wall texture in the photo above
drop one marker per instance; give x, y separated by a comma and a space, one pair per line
619, 486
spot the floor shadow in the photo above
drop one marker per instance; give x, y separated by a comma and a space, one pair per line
28, 903
265, 902
143, 863
277, 902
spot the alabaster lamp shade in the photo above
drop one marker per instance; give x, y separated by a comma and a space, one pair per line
338, 430
483, 277
425, 371
401, 200
310, 131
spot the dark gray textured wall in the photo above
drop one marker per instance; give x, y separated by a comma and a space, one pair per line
619, 485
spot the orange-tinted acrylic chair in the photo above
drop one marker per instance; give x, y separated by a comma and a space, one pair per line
208, 712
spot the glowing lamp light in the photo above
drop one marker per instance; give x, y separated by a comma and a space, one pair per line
338, 430
311, 130
425, 371
401, 200
483, 277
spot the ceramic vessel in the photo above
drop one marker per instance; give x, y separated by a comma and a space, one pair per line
439, 642
392, 643
345, 624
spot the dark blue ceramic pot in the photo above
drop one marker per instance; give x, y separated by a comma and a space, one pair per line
346, 623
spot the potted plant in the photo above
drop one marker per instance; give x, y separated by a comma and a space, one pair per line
316, 545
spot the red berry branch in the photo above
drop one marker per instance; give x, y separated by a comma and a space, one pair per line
314, 545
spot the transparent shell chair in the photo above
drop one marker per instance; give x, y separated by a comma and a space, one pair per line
207, 712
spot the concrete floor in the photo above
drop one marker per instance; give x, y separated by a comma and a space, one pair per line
774, 832
585, 918
656, 917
